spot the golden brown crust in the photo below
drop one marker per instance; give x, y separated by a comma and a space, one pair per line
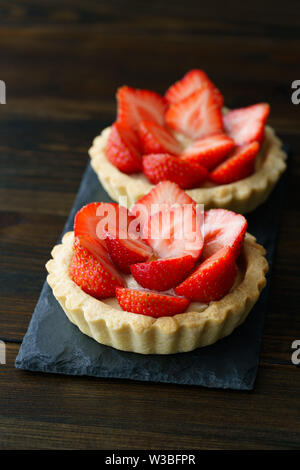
108, 324
242, 196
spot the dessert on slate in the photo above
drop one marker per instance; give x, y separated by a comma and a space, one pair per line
162, 278
228, 159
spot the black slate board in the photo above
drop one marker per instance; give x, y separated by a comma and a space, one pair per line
53, 344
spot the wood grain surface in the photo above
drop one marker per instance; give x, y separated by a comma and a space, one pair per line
62, 63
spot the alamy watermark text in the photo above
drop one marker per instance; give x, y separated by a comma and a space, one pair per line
2, 92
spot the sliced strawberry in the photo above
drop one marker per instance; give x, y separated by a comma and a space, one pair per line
162, 196
96, 218
121, 235
162, 274
197, 116
157, 139
86, 219
223, 228
208, 152
123, 149
175, 232
113, 227
212, 279
239, 165
126, 251
191, 82
163, 166
94, 274
150, 303
96, 247
244, 125
136, 105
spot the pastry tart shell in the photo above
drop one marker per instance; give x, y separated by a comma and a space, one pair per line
242, 196
108, 324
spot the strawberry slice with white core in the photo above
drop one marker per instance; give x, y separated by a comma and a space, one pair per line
123, 149
239, 165
112, 227
93, 271
212, 279
191, 82
126, 251
223, 228
122, 238
157, 139
150, 303
164, 195
163, 166
175, 232
162, 274
136, 105
197, 116
244, 125
208, 152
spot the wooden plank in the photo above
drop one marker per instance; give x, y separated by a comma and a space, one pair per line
87, 65
239, 19
50, 411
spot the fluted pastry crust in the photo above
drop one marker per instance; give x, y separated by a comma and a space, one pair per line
202, 325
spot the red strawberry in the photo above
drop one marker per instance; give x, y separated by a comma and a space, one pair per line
157, 139
136, 105
163, 166
244, 125
209, 151
95, 275
127, 251
223, 228
212, 279
162, 274
96, 248
239, 165
113, 227
161, 197
86, 219
191, 82
175, 232
96, 218
123, 149
198, 115
150, 303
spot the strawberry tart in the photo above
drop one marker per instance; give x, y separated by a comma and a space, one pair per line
223, 158
165, 277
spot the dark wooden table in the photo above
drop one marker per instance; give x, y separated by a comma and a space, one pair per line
62, 63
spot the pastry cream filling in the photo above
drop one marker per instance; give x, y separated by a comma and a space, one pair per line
193, 306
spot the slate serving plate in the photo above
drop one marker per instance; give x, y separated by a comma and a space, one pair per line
53, 344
